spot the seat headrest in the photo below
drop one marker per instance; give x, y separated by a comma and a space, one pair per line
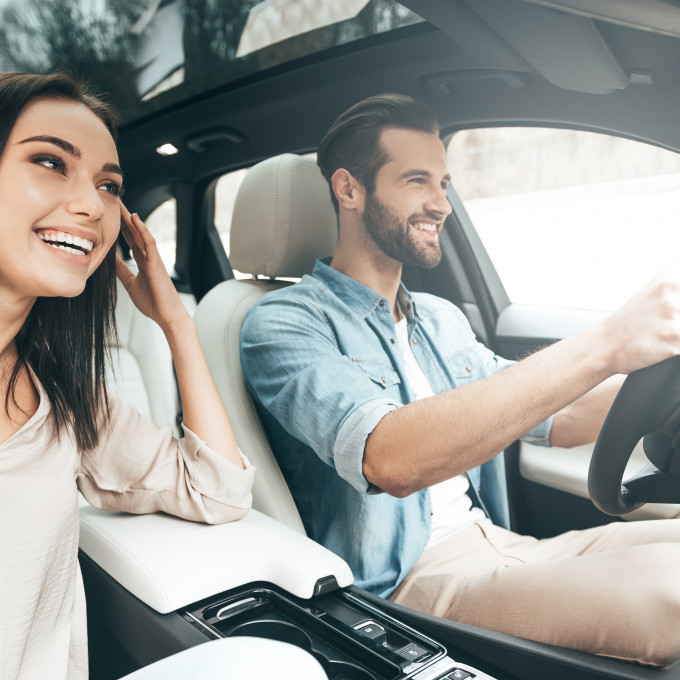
283, 219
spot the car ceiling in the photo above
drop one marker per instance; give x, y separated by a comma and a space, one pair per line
474, 62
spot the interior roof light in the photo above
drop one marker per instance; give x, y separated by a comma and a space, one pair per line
167, 149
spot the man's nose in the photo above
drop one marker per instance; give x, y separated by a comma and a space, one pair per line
439, 203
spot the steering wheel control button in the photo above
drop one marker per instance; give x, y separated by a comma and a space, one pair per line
374, 631
414, 652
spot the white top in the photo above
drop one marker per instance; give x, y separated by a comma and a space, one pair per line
137, 468
452, 509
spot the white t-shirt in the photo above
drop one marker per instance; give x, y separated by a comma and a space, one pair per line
452, 509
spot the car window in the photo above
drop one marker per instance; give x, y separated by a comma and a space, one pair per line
153, 54
569, 218
162, 223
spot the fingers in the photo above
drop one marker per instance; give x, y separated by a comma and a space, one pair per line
135, 232
123, 272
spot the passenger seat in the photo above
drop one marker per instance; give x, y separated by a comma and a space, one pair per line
142, 372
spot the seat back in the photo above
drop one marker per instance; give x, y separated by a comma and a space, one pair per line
283, 220
141, 370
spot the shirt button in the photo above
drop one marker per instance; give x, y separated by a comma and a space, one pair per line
392, 340
468, 369
383, 379
415, 341
382, 303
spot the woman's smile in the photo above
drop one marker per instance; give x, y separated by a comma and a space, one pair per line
59, 199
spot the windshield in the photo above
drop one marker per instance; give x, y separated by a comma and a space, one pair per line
149, 54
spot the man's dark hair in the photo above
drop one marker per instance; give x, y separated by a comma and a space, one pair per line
65, 340
353, 140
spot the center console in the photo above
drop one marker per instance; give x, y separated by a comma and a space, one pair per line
259, 579
351, 639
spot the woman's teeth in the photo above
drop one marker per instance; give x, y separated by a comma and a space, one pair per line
67, 242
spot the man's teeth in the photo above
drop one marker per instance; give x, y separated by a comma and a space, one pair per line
424, 226
62, 241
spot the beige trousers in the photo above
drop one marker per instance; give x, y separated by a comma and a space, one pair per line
611, 590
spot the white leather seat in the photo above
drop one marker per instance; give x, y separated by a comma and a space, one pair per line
283, 221
141, 372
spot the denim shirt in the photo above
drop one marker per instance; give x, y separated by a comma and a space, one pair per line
322, 362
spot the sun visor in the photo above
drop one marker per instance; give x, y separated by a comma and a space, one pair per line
657, 16
566, 49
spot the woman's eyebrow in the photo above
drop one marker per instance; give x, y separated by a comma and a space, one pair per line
57, 141
71, 150
112, 167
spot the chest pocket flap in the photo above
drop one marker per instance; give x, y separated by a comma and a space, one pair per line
380, 373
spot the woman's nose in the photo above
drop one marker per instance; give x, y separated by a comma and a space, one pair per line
86, 200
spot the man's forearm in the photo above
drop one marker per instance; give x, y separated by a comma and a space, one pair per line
437, 438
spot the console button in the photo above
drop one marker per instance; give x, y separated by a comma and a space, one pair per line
459, 674
414, 652
373, 631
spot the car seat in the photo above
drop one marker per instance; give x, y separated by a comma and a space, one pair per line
283, 220
141, 371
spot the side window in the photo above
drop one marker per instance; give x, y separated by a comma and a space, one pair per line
569, 218
162, 223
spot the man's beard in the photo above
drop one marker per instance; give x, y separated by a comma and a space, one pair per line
395, 237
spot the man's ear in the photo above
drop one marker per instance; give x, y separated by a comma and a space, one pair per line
348, 190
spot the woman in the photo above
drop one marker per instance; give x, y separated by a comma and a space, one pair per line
60, 216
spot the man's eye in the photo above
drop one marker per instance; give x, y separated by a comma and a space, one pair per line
50, 162
417, 180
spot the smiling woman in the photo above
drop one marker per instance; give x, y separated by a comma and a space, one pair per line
60, 432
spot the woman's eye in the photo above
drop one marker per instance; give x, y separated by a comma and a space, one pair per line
113, 188
50, 162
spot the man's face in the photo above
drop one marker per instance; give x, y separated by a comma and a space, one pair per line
405, 213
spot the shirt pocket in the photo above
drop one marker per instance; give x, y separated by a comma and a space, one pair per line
465, 368
380, 373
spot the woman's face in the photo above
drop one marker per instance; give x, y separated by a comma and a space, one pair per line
59, 206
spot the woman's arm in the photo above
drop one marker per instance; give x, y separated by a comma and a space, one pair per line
154, 294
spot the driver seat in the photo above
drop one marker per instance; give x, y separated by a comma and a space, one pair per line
283, 220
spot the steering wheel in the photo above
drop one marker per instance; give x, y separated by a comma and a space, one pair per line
648, 405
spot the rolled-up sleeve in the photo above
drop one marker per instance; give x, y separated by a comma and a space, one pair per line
539, 435
348, 451
294, 368
140, 468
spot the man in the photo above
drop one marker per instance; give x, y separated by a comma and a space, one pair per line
386, 416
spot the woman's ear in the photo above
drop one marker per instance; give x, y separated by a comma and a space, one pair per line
348, 190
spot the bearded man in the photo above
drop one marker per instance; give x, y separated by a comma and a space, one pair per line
387, 415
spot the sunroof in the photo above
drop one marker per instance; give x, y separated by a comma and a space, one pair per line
149, 54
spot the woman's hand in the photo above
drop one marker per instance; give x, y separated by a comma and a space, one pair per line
150, 289
154, 294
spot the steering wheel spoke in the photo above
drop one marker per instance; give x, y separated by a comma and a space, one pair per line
651, 485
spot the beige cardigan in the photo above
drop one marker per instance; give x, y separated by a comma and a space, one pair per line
138, 468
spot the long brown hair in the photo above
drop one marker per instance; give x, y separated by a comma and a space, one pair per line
65, 340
